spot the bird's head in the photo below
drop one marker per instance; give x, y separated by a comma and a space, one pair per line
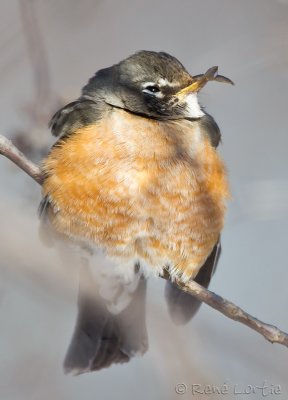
151, 84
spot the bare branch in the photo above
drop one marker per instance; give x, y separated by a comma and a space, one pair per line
230, 310
36, 51
10, 151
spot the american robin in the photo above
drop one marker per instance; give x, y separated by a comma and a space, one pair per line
135, 180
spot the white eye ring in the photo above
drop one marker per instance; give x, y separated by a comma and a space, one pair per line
152, 89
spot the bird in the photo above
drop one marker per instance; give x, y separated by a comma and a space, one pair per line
135, 187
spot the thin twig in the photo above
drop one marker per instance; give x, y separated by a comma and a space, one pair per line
10, 151
230, 310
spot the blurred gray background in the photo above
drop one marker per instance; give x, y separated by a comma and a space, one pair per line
49, 49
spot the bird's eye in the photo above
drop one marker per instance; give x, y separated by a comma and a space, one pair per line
151, 89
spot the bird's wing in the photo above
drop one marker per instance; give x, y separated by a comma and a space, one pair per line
182, 306
74, 116
209, 126
65, 122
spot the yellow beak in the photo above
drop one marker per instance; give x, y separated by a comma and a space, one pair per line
201, 80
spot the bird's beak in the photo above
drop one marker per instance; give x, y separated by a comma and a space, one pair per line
199, 81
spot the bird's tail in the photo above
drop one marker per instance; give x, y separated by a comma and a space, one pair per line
103, 334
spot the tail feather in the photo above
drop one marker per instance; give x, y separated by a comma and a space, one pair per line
110, 350
101, 337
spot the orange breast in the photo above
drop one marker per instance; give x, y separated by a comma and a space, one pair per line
140, 189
